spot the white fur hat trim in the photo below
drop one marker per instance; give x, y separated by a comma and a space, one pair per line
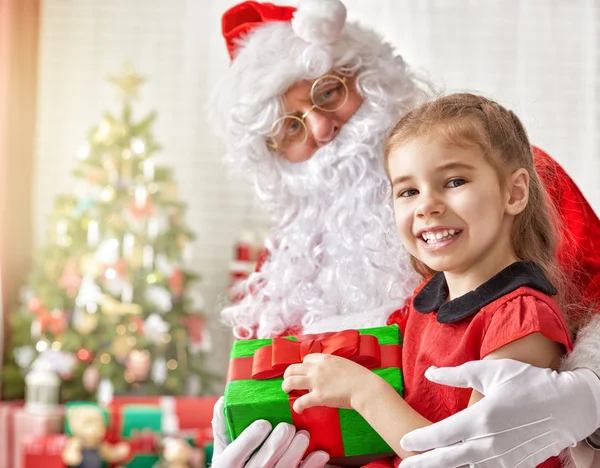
319, 21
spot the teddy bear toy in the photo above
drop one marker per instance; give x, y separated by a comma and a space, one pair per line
86, 447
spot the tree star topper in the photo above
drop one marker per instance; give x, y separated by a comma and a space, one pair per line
128, 82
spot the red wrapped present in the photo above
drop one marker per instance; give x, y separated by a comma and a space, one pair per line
27, 424
7, 431
191, 415
43, 451
256, 372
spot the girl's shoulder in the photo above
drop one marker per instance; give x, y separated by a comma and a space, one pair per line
518, 314
524, 298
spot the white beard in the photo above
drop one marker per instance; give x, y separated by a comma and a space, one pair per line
335, 250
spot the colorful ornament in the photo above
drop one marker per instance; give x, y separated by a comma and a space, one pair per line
84, 322
155, 327
142, 209
93, 233
119, 268
107, 252
24, 356
136, 325
159, 370
34, 304
121, 347
199, 338
114, 308
164, 265
105, 393
91, 378
148, 257
94, 175
54, 321
84, 355
159, 297
103, 134
70, 279
176, 282
83, 206
138, 146
108, 193
138, 364
89, 292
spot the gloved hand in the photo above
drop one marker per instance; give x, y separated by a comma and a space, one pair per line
528, 415
283, 448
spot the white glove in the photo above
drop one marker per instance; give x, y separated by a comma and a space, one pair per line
528, 415
282, 449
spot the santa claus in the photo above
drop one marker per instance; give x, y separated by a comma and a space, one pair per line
304, 108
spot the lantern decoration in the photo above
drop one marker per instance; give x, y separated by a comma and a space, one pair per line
42, 387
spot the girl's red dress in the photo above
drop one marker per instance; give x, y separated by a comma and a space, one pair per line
512, 305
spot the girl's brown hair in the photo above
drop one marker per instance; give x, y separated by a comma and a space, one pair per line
465, 119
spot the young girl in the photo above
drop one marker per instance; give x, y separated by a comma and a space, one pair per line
472, 213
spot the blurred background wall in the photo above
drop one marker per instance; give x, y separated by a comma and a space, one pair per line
538, 57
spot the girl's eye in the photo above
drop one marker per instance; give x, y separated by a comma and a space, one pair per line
407, 193
456, 183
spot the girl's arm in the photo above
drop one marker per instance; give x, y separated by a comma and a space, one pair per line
340, 383
534, 349
392, 417
388, 413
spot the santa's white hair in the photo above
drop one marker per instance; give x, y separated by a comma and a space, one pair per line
334, 250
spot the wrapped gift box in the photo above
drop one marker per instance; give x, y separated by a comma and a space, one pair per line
27, 424
142, 420
7, 431
43, 451
125, 415
254, 386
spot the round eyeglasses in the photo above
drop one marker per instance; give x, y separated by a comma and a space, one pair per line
328, 93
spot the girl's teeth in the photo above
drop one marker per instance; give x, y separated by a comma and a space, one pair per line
434, 237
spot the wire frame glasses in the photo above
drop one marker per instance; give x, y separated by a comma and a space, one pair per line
328, 93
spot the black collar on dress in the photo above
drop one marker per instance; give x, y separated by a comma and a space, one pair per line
433, 296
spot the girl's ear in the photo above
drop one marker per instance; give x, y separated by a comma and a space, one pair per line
518, 191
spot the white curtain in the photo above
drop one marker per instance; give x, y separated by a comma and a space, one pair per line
537, 57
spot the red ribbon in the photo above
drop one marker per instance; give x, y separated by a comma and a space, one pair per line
271, 361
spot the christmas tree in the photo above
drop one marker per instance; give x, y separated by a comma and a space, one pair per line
108, 303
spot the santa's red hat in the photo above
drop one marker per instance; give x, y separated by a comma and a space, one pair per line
315, 21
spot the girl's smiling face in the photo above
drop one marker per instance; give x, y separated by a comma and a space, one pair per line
452, 211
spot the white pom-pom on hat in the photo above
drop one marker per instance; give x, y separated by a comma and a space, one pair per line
319, 21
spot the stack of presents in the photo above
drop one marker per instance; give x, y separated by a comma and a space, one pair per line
135, 432
134, 429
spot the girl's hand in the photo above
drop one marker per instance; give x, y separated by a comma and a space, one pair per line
331, 381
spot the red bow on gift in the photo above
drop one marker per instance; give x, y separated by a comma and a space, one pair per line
271, 361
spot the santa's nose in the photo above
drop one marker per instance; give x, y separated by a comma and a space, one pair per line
323, 127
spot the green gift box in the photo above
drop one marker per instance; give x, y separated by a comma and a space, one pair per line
254, 386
